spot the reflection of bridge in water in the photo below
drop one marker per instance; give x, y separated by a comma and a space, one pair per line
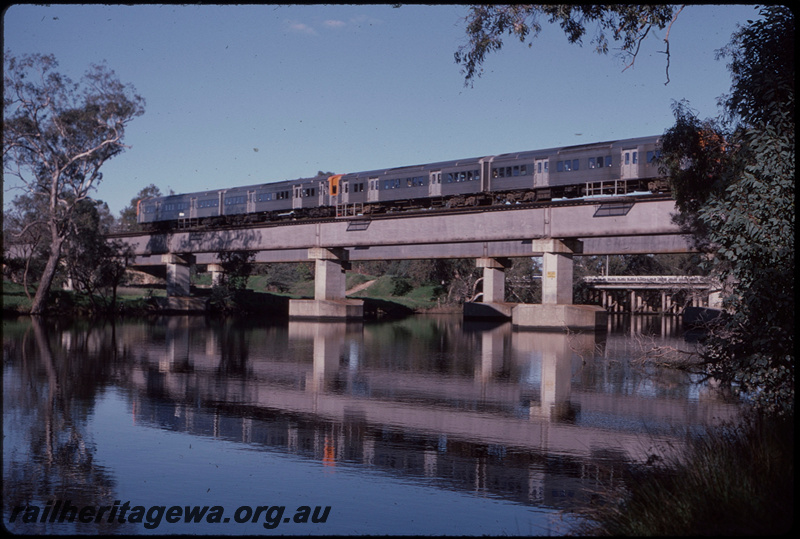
504, 419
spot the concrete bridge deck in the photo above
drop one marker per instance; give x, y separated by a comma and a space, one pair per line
556, 231
640, 226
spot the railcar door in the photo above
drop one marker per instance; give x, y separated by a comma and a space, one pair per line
541, 172
251, 202
321, 191
297, 197
373, 192
435, 184
629, 168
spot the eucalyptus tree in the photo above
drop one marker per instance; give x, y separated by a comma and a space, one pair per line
57, 135
735, 177
629, 24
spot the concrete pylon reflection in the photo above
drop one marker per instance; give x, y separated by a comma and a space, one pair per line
177, 343
556, 350
493, 349
329, 341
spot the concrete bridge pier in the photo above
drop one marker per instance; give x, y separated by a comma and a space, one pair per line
179, 283
494, 286
178, 274
557, 311
217, 273
329, 289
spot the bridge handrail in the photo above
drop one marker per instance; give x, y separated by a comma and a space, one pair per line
640, 279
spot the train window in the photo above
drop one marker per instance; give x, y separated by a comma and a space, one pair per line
608, 160
592, 162
627, 158
575, 164
560, 166
653, 155
539, 167
523, 170
635, 157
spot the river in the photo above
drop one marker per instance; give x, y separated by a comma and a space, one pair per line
425, 425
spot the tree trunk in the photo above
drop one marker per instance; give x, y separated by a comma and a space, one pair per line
40, 299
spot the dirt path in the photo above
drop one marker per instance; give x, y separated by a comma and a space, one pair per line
360, 287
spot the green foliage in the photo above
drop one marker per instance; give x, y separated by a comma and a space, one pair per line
57, 135
733, 480
401, 287
487, 25
238, 267
696, 158
523, 282
230, 293
282, 277
127, 217
741, 194
94, 262
762, 68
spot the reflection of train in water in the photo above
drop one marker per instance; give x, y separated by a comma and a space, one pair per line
605, 168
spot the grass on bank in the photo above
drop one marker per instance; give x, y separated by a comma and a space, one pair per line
385, 288
387, 294
734, 480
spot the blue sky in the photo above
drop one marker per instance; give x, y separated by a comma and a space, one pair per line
240, 95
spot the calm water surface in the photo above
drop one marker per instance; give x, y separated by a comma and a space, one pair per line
427, 425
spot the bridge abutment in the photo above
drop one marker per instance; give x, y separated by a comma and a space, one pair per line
329, 289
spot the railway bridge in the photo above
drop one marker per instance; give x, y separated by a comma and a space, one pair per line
492, 235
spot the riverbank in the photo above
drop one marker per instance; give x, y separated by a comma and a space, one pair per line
382, 297
736, 479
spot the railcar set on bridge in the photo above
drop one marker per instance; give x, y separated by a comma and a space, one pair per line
608, 168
